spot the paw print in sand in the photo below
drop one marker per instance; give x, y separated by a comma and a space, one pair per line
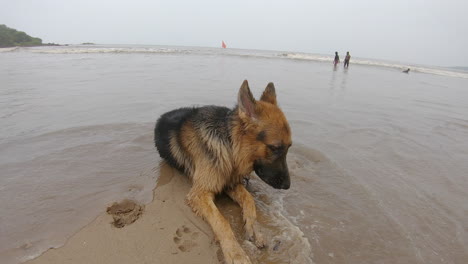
184, 238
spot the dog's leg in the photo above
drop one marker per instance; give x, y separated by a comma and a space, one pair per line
202, 203
249, 213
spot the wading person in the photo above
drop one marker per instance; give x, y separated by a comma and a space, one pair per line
346, 60
337, 59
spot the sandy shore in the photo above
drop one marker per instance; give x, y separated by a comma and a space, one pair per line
167, 232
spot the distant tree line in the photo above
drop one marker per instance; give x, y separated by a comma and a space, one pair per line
10, 37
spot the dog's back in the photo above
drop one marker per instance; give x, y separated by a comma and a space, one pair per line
185, 135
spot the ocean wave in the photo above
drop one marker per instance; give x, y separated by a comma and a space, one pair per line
8, 49
84, 50
236, 53
414, 68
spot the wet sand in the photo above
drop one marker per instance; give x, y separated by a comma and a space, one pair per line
166, 232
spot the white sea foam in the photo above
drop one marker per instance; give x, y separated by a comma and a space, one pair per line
83, 50
8, 49
292, 245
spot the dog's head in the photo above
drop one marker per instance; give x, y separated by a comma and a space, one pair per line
266, 135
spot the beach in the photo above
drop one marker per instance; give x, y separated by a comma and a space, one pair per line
378, 161
167, 232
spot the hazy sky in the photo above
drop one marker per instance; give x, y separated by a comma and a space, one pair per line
416, 31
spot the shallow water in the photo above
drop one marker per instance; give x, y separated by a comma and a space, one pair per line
378, 164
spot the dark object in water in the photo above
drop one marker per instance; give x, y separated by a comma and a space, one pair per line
406, 71
276, 246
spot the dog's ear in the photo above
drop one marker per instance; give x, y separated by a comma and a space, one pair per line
246, 101
269, 95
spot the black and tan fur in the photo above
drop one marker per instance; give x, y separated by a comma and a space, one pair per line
218, 147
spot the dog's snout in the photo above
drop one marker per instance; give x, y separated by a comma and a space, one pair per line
286, 181
274, 174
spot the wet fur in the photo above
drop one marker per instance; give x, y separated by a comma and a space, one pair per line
217, 148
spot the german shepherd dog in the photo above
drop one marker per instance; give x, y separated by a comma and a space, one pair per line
218, 147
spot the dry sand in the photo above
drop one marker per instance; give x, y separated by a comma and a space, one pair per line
166, 232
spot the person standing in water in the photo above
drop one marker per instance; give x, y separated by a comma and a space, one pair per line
337, 59
346, 60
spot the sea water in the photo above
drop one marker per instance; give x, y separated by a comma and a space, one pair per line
379, 170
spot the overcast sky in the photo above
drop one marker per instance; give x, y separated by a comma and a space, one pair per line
415, 31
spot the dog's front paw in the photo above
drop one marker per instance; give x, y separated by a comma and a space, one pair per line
259, 241
255, 237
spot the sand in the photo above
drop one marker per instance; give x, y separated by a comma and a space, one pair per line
125, 212
165, 231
